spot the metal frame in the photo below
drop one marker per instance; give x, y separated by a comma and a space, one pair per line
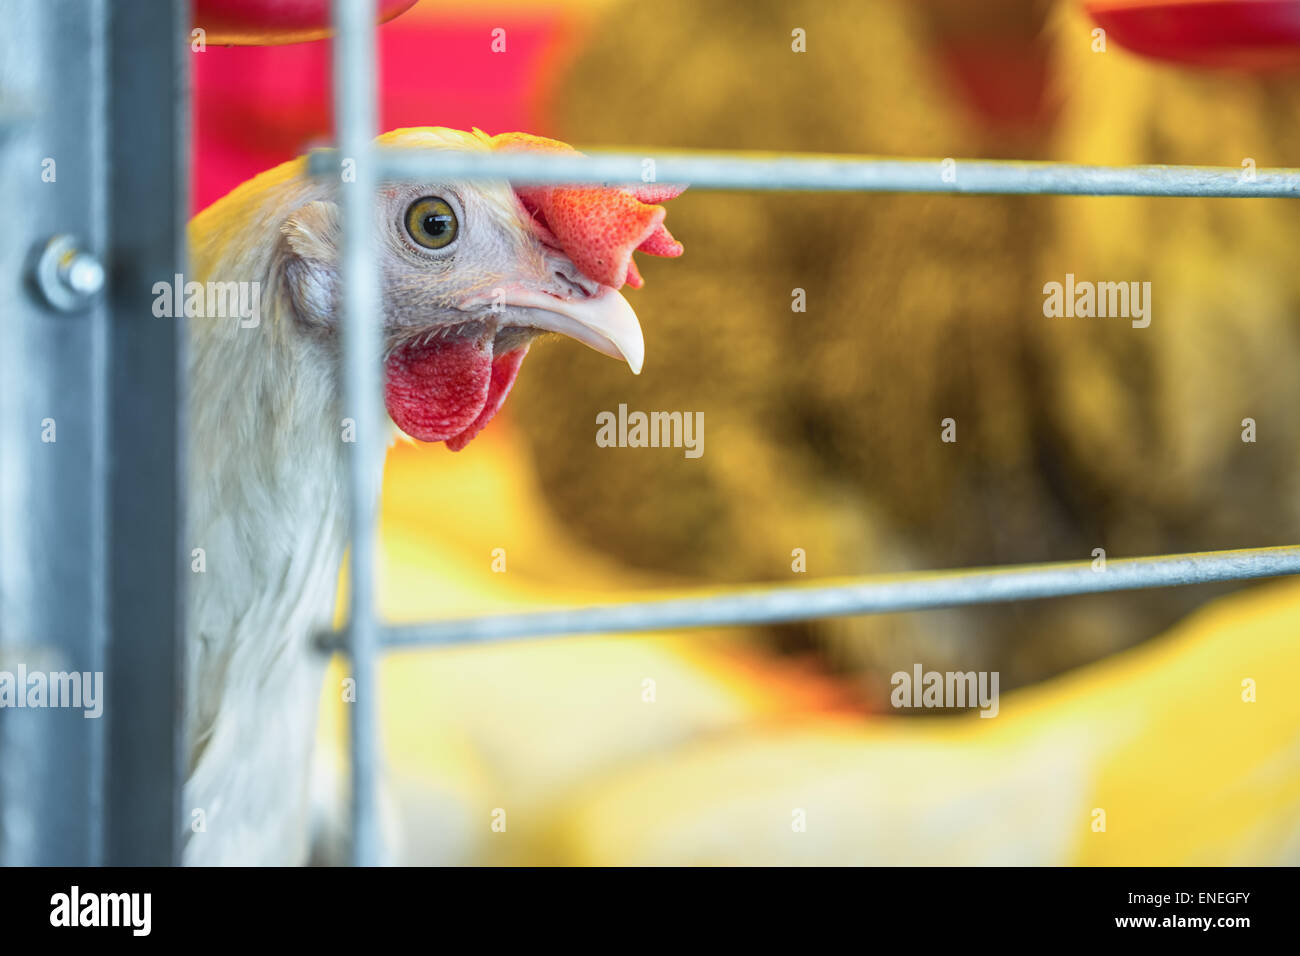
91, 573
91, 559
355, 123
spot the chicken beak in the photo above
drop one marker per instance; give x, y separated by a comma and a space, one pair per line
604, 321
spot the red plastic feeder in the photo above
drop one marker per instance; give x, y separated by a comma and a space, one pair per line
1240, 34
265, 22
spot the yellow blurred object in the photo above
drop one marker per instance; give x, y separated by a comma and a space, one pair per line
1159, 738
559, 737
527, 727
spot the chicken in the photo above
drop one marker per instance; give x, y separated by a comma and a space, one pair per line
1071, 435
825, 423
471, 275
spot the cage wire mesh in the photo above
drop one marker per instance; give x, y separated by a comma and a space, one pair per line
363, 637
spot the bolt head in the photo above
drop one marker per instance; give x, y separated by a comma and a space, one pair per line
66, 275
83, 275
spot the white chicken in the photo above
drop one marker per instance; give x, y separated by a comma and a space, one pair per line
470, 275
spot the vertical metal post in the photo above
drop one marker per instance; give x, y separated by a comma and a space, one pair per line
147, 59
92, 144
52, 596
355, 122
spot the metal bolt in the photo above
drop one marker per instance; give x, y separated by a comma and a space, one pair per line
82, 274
67, 276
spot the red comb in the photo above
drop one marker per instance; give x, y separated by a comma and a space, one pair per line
597, 227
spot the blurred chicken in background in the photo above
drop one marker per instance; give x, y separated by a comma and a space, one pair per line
1072, 434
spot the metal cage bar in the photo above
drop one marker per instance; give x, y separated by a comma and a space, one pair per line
147, 111
770, 604
355, 109
830, 173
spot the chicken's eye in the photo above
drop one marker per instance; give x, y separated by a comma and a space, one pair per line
432, 222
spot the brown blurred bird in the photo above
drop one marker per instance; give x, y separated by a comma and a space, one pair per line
825, 425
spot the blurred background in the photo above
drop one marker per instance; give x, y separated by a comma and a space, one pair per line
822, 434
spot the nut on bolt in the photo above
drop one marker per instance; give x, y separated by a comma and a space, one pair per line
67, 275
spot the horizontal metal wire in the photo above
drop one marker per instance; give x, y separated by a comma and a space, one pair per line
869, 595
832, 173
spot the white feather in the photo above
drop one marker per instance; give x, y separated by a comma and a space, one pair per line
265, 504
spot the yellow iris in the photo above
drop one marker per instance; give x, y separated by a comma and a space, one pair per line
432, 222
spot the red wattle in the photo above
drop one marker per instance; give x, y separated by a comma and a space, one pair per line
448, 390
504, 369
437, 389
